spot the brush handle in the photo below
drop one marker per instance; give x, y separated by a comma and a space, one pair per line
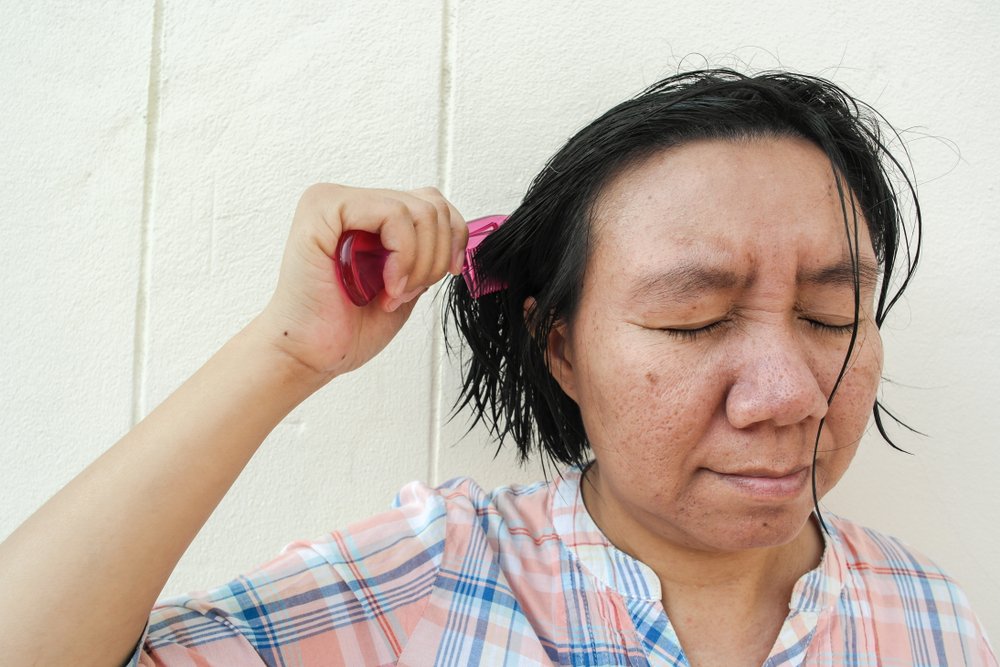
360, 260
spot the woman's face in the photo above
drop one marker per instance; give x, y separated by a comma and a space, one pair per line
716, 313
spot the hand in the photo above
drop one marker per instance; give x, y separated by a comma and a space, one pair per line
310, 317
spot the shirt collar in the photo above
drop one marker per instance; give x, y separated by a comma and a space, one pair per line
611, 566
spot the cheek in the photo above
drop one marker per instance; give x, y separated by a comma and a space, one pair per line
855, 397
850, 411
639, 403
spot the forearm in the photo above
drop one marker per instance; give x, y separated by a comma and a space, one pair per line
77, 580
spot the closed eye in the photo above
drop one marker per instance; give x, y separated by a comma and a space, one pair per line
693, 333
830, 328
696, 332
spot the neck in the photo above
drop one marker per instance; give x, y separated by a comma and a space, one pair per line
726, 607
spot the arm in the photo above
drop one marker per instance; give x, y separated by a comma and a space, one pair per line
93, 559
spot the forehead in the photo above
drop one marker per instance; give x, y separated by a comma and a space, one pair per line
755, 204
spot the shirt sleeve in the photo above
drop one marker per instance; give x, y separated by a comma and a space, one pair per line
351, 597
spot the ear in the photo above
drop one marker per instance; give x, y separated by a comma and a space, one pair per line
558, 351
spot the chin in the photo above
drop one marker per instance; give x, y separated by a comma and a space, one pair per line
760, 530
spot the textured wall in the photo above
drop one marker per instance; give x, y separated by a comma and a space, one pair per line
152, 156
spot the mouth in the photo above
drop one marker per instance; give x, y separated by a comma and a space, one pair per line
767, 484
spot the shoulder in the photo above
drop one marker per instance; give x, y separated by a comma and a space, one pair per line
356, 594
903, 598
880, 558
426, 521
515, 512
893, 574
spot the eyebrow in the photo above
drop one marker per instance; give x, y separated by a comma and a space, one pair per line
842, 274
688, 282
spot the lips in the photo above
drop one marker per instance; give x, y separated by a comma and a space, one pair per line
765, 472
766, 483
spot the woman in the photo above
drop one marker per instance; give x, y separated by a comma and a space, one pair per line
693, 288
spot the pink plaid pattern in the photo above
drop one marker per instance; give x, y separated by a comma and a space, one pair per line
523, 576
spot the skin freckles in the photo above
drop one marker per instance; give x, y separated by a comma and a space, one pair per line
715, 317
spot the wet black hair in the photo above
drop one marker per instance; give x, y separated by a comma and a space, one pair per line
542, 249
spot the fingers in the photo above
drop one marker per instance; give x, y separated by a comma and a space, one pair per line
425, 234
453, 236
427, 229
426, 243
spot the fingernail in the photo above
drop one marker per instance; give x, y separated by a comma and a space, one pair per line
400, 286
457, 257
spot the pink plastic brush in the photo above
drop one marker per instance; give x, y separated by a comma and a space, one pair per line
361, 258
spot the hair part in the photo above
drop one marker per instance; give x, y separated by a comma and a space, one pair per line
542, 250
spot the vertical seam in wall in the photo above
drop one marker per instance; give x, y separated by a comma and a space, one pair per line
444, 183
141, 341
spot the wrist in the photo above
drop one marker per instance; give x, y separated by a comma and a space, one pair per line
270, 349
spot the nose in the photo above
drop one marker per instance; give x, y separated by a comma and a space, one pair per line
774, 383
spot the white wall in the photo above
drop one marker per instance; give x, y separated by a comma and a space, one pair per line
151, 157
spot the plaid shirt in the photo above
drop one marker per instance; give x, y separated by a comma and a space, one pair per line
523, 576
